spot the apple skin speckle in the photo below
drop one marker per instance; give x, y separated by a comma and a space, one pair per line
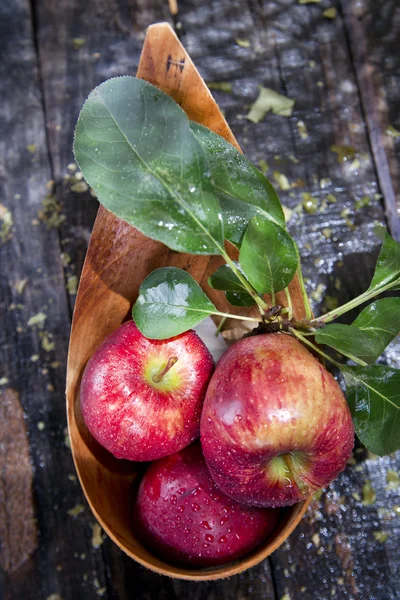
182, 516
275, 425
127, 412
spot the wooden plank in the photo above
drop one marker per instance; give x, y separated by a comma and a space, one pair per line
373, 35
33, 339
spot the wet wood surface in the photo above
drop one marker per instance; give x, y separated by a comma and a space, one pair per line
344, 75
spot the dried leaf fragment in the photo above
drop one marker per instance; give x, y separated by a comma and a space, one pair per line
19, 285
78, 42
72, 284
380, 536
6, 223
269, 100
281, 180
220, 86
301, 126
393, 480
243, 43
343, 152
37, 319
392, 131
97, 538
76, 510
330, 13
369, 494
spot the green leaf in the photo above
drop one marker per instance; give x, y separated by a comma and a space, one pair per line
225, 279
243, 191
240, 298
169, 303
374, 328
268, 256
135, 148
373, 394
387, 268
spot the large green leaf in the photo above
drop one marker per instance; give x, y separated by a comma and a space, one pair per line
225, 279
268, 256
374, 328
243, 191
135, 148
169, 303
373, 394
388, 265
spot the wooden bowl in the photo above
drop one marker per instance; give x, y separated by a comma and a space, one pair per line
117, 261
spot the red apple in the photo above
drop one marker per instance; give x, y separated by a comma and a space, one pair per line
275, 425
142, 399
181, 514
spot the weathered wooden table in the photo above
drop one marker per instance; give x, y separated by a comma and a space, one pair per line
344, 74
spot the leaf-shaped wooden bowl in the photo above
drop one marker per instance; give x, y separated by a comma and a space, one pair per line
117, 261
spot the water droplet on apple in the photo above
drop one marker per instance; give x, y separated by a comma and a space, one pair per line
238, 418
173, 499
195, 507
223, 520
206, 525
223, 539
205, 545
209, 538
181, 509
181, 490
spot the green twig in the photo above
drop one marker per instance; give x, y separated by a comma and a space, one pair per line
341, 310
289, 302
240, 317
314, 347
304, 296
220, 326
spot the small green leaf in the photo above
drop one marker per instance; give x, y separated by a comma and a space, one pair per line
136, 150
225, 279
373, 394
387, 268
243, 191
240, 298
169, 303
374, 328
268, 256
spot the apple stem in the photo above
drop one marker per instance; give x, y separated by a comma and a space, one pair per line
303, 487
170, 363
